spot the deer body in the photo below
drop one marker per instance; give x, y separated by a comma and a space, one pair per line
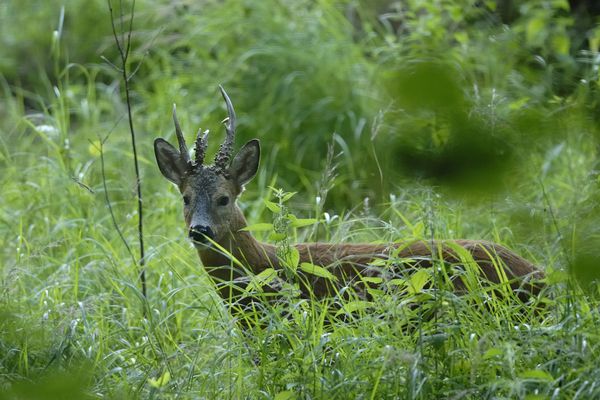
215, 223
349, 261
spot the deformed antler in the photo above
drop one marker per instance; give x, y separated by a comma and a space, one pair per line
200, 146
183, 150
226, 149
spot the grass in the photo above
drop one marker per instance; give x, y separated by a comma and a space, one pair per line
301, 75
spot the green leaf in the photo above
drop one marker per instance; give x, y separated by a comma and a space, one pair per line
317, 271
491, 353
291, 258
260, 227
397, 282
537, 374
160, 382
277, 236
372, 279
418, 280
418, 229
287, 196
285, 395
300, 222
374, 293
274, 207
264, 278
352, 306
379, 262
556, 276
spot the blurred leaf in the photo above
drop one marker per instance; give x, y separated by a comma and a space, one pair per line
54, 385
491, 353
161, 381
535, 397
491, 4
535, 30
562, 5
537, 374
461, 37
585, 267
551, 156
594, 39
285, 395
561, 44
94, 148
425, 85
519, 103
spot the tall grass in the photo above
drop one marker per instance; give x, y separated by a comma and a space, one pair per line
302, 75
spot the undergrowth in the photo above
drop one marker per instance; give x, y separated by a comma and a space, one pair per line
495, 138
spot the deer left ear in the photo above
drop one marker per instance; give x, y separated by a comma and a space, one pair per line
169, 160
245, 164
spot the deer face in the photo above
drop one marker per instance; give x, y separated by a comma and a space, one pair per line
209, 192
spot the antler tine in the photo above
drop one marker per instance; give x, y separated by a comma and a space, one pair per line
200, 146
226, 148
183, 150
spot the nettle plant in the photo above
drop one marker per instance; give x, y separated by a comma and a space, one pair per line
280, 233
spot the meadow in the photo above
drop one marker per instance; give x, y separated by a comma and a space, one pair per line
389, 121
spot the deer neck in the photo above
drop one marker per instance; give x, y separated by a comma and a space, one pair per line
242, 245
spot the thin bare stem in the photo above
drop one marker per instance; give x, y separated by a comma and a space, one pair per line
124, 54
108, 202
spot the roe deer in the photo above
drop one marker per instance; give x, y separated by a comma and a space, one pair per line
215, 223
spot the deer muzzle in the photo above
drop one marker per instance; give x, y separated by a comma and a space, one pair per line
201, 234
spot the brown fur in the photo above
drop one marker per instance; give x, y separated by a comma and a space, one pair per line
349, 262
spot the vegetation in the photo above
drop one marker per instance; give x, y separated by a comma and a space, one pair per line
391, 120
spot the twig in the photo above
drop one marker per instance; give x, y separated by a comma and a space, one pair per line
124, 54
107, 198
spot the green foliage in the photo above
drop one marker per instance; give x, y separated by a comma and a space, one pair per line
441, 119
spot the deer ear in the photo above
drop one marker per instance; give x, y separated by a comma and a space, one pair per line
169, 161
245, 164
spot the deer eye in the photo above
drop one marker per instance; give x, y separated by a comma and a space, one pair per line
223, 201
186, 200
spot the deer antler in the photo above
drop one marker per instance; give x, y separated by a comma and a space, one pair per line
226, 148
200, 146
183, 150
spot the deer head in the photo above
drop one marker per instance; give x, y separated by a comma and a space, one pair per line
209, 191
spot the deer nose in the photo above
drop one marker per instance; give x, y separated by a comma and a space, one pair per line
199, 233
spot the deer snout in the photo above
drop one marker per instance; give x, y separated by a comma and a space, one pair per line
200, 233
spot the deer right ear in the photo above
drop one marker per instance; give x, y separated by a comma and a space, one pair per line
169, 161
245, 164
